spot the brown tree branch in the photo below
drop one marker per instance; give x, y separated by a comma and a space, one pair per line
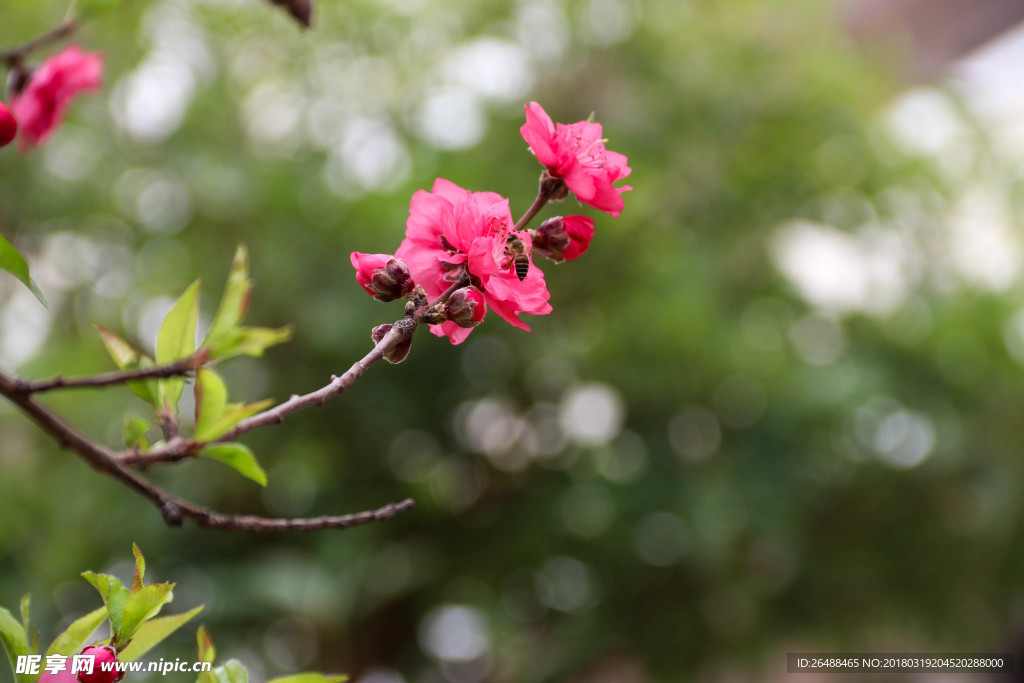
17, 54
174, 510
176, 450
538, 204
181, 367
302, 10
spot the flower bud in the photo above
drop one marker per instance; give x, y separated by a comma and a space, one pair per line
435, 315
465, 307
563, 239
553, 186
378, 333
382, 276
8, 126
397, 353
102, 654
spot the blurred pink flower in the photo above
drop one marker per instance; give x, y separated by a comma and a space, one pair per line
8, 125
576, 154
64, 675
41, 105
451, 232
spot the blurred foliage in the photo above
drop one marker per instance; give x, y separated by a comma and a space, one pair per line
691, 467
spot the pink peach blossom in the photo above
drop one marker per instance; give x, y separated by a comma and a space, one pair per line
576, 153
453, 232
40, 107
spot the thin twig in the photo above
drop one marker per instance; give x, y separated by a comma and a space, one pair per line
17, 54
181, 367
301, 10
443, 296
538, 204
174, 509
177, 449
181, 449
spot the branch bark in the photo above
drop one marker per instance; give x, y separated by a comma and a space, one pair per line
17, 54
181, 449
181, 367
302, 10
173, 509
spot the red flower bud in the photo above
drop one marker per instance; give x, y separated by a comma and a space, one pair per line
382, 276
8, 126
102, 654
563, 239
465, 307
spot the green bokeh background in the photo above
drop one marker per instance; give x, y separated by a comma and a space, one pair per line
785, 477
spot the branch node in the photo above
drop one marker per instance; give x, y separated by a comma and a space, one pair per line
171, 512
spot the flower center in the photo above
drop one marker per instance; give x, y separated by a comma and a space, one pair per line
589, 152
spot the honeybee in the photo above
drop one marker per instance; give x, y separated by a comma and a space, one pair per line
515, 250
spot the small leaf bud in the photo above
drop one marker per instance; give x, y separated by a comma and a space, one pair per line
435, 315
397, 353
377, 334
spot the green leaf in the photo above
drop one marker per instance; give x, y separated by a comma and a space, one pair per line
211, 399
91, 9
133, 431
253, 341
25, 621
139, 575
310, 677
123, 353
77, 634
15, 640
204, 645
239, 457
141, 607
146, 389
231, 672
115, 596
153, 632
177, 340
207, 653
126, 357
230, 416
233, 305
227, 338
14, 263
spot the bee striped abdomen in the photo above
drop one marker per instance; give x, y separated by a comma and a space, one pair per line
515, 250
522, 266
